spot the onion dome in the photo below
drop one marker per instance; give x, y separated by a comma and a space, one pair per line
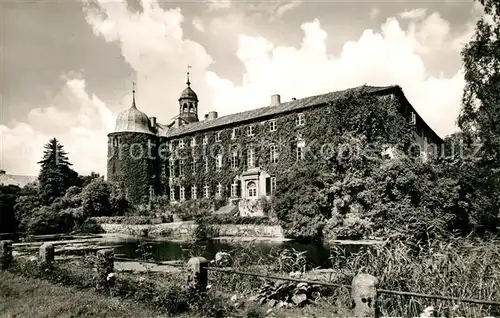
132, 120
188, 92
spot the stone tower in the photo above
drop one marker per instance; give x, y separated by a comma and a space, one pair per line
128, 162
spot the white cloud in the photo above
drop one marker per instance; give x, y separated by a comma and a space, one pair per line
388, 57
219, 4
285, 6
153, 43
198, 24
375, 12
413, 14
82, 129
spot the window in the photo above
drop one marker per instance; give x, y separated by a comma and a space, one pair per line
413, 119
272, 125
234, 189
171, 146
207, 191
181, 168
250, 131
183, 194
219, 190
234, 159
193, 142
273, 185
218, 161
217, 137
172, 169
233, 134
250, 158
172, 194
115, 141
194, 166
206, 164
274, 154
205, 139
181, 144
252, 189
300, 150
194, 193
301, 119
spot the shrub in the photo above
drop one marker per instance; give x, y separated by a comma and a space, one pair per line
351, 226
191, 209
101, 198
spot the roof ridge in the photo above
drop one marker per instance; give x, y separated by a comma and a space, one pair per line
252, 114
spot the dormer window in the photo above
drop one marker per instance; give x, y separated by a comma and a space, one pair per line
301, 120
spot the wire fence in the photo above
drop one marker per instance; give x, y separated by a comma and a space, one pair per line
379, 290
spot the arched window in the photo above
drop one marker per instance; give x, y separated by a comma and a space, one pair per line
191, 108
252, 189
185, 108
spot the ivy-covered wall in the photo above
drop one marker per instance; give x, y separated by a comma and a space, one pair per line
130, 165
322, 125
378, 118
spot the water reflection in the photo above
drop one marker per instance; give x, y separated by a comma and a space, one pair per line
257, 252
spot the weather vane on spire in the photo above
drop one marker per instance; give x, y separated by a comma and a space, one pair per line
188, 82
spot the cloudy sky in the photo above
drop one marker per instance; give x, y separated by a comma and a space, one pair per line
67, 67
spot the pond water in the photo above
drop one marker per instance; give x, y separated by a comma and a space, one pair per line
254, 253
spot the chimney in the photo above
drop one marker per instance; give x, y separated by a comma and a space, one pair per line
206, 116
275, 100
152, 120
178, 122
212, 115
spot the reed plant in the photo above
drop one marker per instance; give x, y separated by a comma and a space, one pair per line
458, 267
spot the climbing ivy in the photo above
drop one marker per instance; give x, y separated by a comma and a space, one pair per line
380, 119
130, 166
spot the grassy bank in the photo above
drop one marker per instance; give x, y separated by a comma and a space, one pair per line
29, 297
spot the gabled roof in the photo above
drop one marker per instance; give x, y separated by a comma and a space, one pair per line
19, 180
286, 107
270, 111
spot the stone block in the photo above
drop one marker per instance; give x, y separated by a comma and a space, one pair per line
364, 295
5, 254
46, 254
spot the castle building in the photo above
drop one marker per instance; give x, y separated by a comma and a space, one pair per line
235, 157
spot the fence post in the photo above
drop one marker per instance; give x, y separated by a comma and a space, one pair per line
199, 274
5, 254
364, 295
105, 266
46, 254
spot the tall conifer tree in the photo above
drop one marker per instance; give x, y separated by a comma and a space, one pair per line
56, 175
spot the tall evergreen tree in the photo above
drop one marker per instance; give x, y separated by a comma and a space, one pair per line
56, 175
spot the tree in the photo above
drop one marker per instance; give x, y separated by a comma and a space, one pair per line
8, 197
479, 118
56, 175
86, 180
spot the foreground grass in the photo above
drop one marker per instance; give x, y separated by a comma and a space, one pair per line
28, 297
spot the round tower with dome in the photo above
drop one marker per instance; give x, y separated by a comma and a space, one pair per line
129, 146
